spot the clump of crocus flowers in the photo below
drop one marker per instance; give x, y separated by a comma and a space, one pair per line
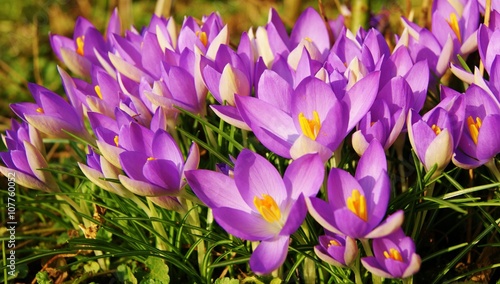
303, 96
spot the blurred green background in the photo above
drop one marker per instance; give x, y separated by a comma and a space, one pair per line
26, 55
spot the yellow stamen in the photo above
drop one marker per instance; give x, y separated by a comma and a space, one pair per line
310, 127
97, 90
436, 129
203, 37
116, 140
474, 127
393, 254
308, 39
333, 243
268, 208
357, 204
40, 110
453, 22
79, 45
151, 158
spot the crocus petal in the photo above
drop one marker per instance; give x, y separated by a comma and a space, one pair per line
269, 255
273, 127
163, 173
321, 211
141, 187
439, 151
304, 176
391, 224
27, 180
216, 189
230, 115
371, 264
413, 267
296, 215
488, 140
305, 145
257, 177
251, 227
372, 163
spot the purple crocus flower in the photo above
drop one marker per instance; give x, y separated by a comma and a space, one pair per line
317, 122
153, 161
386, 118
357, 205
86, 48
51, 114
337, 249
460, 20
98, 169
394, 256
24, 158
480, 141
258, 205
435, 135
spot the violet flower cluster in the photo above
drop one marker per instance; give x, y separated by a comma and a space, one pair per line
303, 95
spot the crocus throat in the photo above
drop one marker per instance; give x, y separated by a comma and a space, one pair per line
310, 127
436, 129
268, 208
79, 45
453, 22
357, 204
116, 140
393, 254
474, 127
203, 37
97, 90
333, 243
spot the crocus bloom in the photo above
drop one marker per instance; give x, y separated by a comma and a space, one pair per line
394, 256
480, 141
318, 121
256, 204
435, 135
460, 20
357, 205
386, 118
336, 249
51, 114
25, 159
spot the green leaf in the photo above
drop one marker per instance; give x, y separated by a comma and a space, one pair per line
42, 277
158, 270
92, 267
125, 275
227, 280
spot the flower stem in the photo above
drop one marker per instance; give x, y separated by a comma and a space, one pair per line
491, 165
360, 15
356, 267
368, 250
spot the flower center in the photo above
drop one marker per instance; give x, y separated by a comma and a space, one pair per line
453, 22
474, 127
393, 254
151, 158
268, 208
116, 140
357, 204
333, 243
203, 37
40, 110
436, 129
97, 90
310, 127
79, 45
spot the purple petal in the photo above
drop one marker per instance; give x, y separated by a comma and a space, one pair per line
163, 173
216, 190
256, 177
321, 211
247, 226
488, 141
295, 218
269, 255
371, 264
360, 97
141, 187
304, 176
391, 224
